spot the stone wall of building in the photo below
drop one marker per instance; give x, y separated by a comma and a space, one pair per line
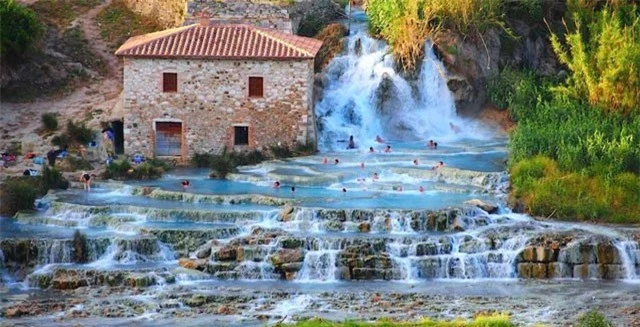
265, 15
212, 97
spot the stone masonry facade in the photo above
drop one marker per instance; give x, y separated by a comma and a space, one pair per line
212, 98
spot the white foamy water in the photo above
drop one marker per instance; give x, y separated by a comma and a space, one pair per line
366, 96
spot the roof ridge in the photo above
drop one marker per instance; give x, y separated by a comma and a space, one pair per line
281, 41
150, 37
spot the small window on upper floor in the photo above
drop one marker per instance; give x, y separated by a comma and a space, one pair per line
170, 82
256, 87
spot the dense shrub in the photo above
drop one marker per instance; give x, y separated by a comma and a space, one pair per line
49, 121
79, 132
123, 170
76, 164
19, 31
52, 179
280, 151
226, 162
300, 149
17, 194
602, 51
60, 140
333, 42
593, 319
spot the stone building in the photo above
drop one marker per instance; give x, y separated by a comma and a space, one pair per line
203, 87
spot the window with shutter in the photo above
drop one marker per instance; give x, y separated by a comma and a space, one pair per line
170, 82
241, 135
256, 87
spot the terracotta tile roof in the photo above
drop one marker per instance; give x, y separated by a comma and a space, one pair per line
220, 42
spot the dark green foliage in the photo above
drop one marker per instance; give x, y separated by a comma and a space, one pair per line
52, 179
301, 149
226, 162
50, 121
80, 254
593, 319
280, 151
17, 194
79, 132
76, 163
19, 31
123, 170
60, 140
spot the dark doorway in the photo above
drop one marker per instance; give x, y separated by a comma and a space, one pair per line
118, 140
241, 135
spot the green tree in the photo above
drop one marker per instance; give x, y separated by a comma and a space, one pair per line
19, 30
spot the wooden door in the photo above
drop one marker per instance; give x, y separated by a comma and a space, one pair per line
168, 139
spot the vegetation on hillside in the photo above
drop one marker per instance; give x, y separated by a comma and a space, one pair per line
118, 23
19, 31
20, 193
575, 153
406, 24
497, 320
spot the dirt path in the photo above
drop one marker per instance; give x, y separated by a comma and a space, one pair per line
19, 121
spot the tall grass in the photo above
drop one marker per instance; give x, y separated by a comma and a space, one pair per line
406, 24
602, 50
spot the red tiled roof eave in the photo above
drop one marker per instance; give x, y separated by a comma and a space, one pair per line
221, 42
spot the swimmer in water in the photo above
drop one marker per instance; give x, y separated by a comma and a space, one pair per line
438, 165
185, 184
375, 176
276, 184
293, 189
387, 149
454, 128
421, 189
379, 139
325, 161
362, 165
371, 150
344, 190
430, 144
415, 162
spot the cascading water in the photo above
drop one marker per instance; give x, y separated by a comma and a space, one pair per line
366, 96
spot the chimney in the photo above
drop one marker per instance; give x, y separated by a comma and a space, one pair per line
205, 19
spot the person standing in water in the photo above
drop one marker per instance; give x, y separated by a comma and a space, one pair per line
352, 144
86, 179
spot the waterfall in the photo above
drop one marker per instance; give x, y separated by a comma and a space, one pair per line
630, 257
365, 96
320, 263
